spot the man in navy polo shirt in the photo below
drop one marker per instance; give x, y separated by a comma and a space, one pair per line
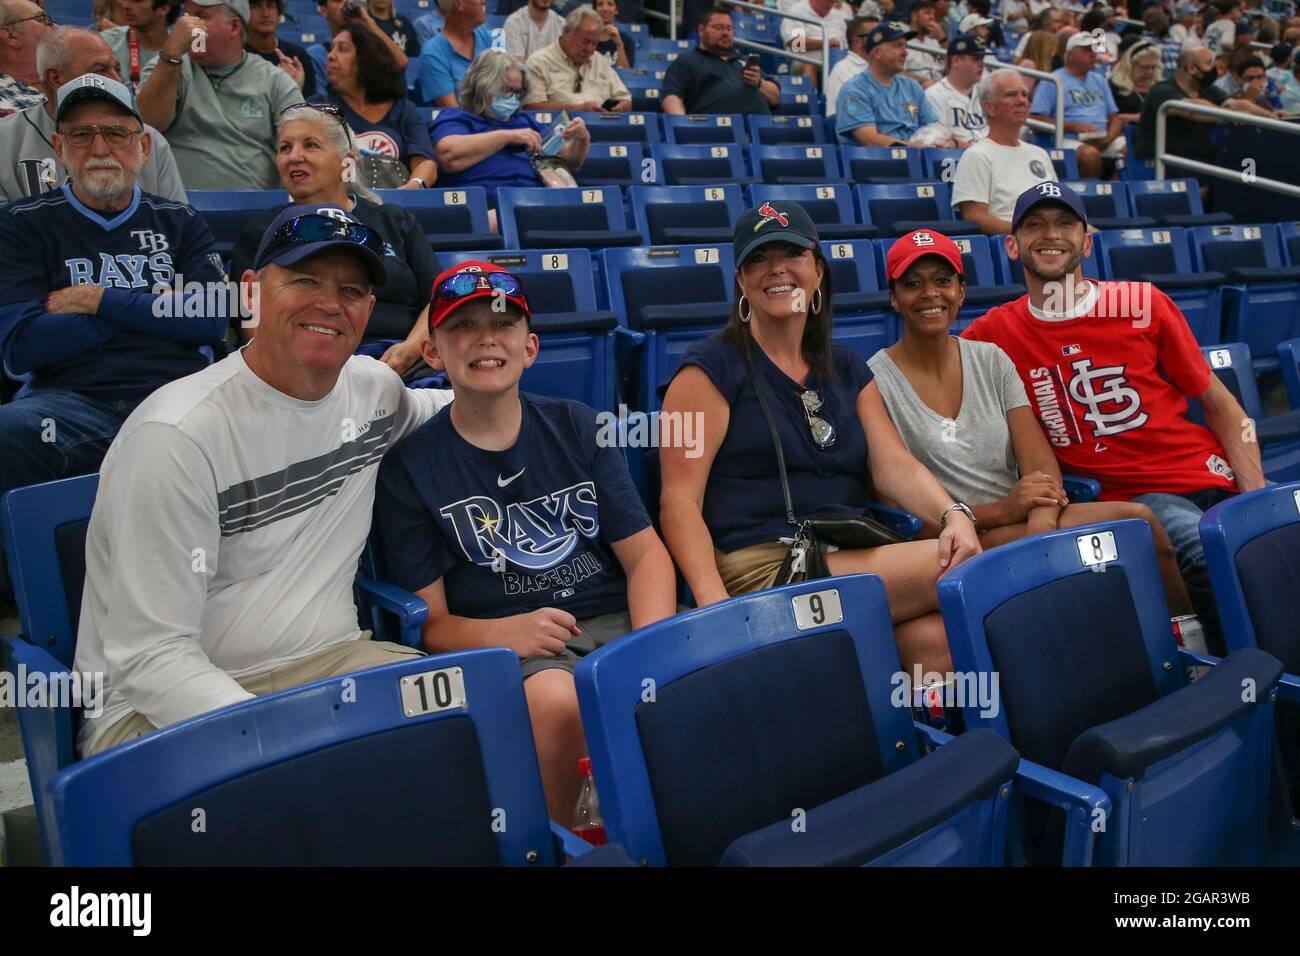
879, 106
512, 523
713, 78
81, 272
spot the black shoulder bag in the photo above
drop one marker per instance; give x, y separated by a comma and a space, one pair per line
806, 559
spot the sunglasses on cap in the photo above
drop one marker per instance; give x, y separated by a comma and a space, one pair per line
312, 227
467, 283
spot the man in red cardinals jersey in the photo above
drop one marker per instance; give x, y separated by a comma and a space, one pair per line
1109, 367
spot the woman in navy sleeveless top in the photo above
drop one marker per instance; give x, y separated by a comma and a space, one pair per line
722, 510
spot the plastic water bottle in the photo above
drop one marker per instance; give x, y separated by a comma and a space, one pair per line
588, 822
1274, 94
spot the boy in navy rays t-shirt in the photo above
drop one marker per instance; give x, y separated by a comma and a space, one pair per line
510, 521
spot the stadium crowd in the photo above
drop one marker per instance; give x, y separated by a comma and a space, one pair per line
268, 432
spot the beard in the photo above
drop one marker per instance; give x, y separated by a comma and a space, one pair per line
1030, 263
104, 184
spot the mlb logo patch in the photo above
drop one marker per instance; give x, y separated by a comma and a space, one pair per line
1071, 349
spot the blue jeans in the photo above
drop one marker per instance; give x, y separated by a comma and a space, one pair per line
1181, 516
50, 433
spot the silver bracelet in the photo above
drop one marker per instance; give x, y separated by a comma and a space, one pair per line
957, 506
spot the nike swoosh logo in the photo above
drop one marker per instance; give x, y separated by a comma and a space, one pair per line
502, 482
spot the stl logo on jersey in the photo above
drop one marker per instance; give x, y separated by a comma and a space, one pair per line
1113, 406
535, 535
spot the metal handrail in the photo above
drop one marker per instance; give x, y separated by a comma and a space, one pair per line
825, 61
1209, 169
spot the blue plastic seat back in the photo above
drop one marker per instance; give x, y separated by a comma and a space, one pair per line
294, 778
1269, 569
826, 205
1230, 362
1102, 200
695, 165
812, 163
451, 218
885, 206
686, 214
642, 128
727, 744
224, 210
785, 130
1065, 163
44, 530
940, 164
862, 164
587, 213
863, 319
1166, 197
612, 164
1262, 307
707, 129
1162, 256
1289, 358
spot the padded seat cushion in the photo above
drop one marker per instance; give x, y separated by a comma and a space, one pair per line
881, 816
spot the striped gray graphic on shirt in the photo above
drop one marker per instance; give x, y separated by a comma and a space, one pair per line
254, 504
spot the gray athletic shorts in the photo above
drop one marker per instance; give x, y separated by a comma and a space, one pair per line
596, 632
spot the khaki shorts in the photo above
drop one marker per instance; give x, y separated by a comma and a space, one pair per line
344, 658
751, 569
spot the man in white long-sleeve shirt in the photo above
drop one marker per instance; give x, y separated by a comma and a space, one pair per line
234, 503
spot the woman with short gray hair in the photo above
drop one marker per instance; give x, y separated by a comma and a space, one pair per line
488, 142
316, 155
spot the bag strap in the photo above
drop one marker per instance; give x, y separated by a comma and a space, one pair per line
771, 425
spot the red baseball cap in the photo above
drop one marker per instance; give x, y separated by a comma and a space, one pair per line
474, 280
914, 245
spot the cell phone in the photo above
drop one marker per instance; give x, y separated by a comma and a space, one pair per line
752, 60
610, 103
352, 8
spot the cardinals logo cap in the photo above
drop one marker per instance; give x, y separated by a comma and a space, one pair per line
777, 221
915, 245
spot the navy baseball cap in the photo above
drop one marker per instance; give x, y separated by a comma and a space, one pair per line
300, 232
887, 31
775, 221
92, 86
971, 43
1047, 192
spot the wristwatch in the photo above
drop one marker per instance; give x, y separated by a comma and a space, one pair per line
957, 506
168, 59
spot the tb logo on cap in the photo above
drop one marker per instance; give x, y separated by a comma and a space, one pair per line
93, 79
923, 239
1049, 189
768, 214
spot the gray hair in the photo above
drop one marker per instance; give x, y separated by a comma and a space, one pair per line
575, 17
486, 78
54, 52
336, 132
987, 88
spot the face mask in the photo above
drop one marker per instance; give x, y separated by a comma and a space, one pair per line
505, 107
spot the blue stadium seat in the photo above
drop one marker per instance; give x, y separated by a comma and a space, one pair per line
709, 772
675, 295
1174, 202
897, 210
984, 287
887, 165
1252, 549
612, 164
443, 744
539, 218
1278, 435
640, 128
1261, 303
800, 104
863, 318
645, 87
1065, 162
1288, 354
940, 164
225, 210
578, 339
44, 534
1107, 205
1102, 697
709, 129
451, 218
1136, 168
796, 165
830, 207
785, 130
1162, 257
686, 215
662, 45
699, 165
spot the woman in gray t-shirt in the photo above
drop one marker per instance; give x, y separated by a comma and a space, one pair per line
961, 409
